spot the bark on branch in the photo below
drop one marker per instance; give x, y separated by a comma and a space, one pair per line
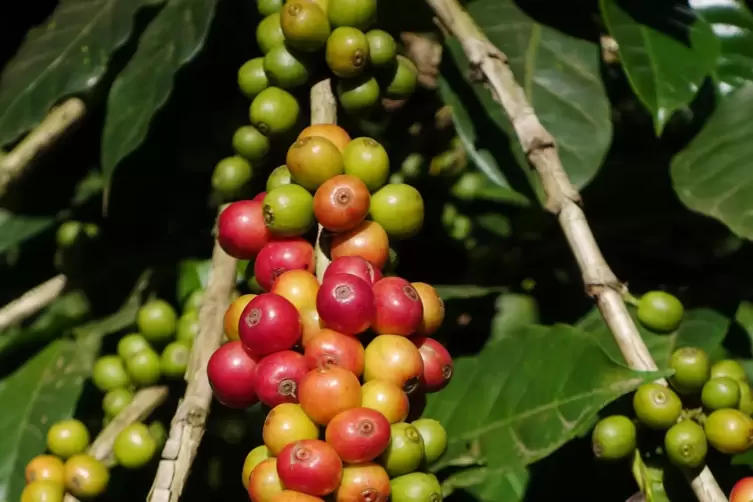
490, 65
32, 301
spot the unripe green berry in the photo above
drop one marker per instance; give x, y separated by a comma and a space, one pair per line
692, 370
721, 392
685, 444
67, 438
157, 321
729, 368
144, 368
656, 406
134, 446
434, 437
116, 401
614, 438
109, 373
659, 311
729, 431
174, 360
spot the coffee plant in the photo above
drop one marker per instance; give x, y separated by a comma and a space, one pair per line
362, 250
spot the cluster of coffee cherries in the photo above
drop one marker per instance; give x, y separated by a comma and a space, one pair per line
68, 468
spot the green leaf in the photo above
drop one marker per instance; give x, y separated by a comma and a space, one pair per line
530, 393
514, 310
663, 71
67, 54
192, 276
489, 485
562, 78
172, 39
464, 291
732, 22
649, 474
712, 176
702, 328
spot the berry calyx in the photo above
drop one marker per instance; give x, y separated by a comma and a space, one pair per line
278, 376
347, 52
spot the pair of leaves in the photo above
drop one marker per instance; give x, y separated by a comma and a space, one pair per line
531, 391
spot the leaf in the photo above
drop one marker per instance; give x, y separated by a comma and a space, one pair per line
649, 474
174, 37
514, 310
68, 54
489, 485
732, 23
712, 175
530, 393
561, 77
464, 291
702, 328
192, 276
663, 71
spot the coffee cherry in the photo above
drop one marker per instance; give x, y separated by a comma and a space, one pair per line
394, 358
241, 230
85, 476
188, 328
45, 468
250, 144
685, 444
367, 240
305, 25
269, 323
267, 7
399, 208
336, 134
232, 371
341, 203
159, 433
729, 431
346, 303
405, 451
193, 302
719, 393
251, 77
174, 360
403, 79
254, 458
367, 160
116, 401
357, 13
387, 398
433, 309
299, 287
274, 111
288, 211
310, 466
742, 491
746, 398
232, 318
416, 487
134, 446
285, 424
347, 52
382, 48
231, 175
311, 323
353, 265
157, 321
281, 255
68, 234
366, 482
692, 370
264, 482
358, 95
438, 364
656, 406
67, 438
109, 373
325, 392
269, 32
660, 311
358, 435
313, 160
729, 368
613, 438
144, 368
278, 177
278, 376
287, 67
434, 437
43, 491
330, 348
294, 496
399, 310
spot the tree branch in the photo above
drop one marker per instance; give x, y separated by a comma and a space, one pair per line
190, 418
55, 124
562, 198
32, 301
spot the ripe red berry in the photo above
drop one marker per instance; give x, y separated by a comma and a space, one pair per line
330, 348
399, 310
346, 303
310, 466
241, 230
437, 364
269, 323
364, 483
742, 491
358, 435
281, 255
325, 392
260, 197
393, 358
277, 377
231, 371
353, 265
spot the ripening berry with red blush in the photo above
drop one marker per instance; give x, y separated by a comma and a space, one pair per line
438, 364
241, 231
277, 377
231, 371
742, 491
330, 348
358, 435
325, 392
281, 255
353, 265
399, 310
268, 324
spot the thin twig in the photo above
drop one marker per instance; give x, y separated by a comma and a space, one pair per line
190, 418
57, 122
323, 111
144, 403
32, 301
562, 198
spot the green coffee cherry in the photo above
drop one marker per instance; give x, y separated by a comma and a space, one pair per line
659, 311
656, 406
719, 393
692, 370
685, 444
614, 438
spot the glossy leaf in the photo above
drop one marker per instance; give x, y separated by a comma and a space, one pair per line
664, 71
489, 485
712, 176
732, 23
530, 392
562, 79
65, 55
463, 291
173, 38
192, 275
702, 328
